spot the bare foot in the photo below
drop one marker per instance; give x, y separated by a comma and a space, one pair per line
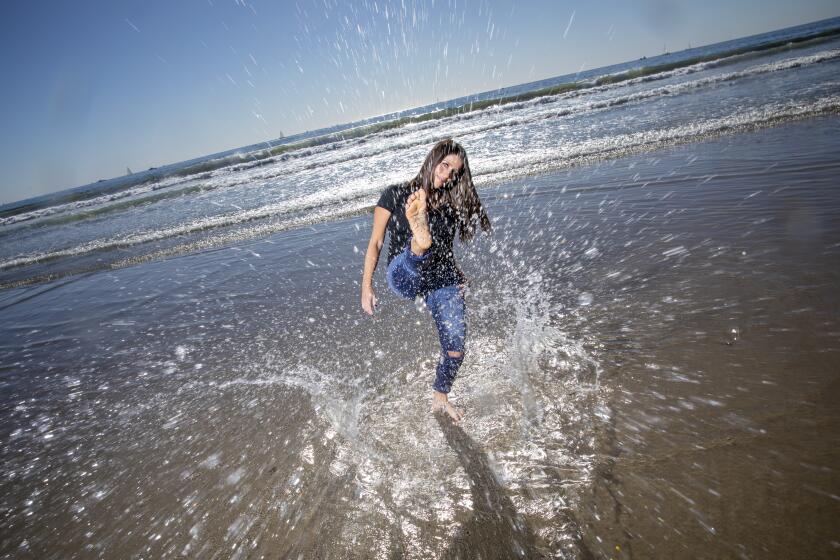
418, 221
440, 402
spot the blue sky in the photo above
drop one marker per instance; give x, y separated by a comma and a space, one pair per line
94, 87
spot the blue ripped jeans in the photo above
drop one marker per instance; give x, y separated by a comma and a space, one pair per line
448, 311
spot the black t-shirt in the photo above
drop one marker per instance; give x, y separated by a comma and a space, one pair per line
439, 269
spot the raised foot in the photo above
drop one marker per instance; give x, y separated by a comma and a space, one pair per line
440, 403
418, 221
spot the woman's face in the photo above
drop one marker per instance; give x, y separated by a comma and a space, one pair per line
447, 169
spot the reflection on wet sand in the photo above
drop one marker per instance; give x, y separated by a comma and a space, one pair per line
495, 529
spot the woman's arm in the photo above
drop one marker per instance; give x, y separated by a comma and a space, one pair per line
377, 237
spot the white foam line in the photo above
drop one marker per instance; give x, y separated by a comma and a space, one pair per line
555, 108
269, 210
700, 66
551, 111
501, 168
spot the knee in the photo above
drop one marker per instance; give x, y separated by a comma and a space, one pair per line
455, 354
402, 280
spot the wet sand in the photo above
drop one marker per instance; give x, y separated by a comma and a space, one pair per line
652, 371
725, 430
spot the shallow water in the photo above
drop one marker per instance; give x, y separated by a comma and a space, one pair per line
651, 371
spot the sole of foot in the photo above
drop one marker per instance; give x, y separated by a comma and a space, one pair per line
418, 220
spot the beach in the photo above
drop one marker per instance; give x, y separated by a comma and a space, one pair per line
651, 371
651, 363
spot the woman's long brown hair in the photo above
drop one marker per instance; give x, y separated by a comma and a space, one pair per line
459, 194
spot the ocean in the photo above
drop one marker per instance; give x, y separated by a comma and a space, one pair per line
652, 358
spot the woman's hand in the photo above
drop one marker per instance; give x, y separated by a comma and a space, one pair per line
463, 281
368, 300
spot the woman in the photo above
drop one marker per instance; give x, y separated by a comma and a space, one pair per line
422, 218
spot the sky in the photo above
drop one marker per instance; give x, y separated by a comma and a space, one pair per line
94, 87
